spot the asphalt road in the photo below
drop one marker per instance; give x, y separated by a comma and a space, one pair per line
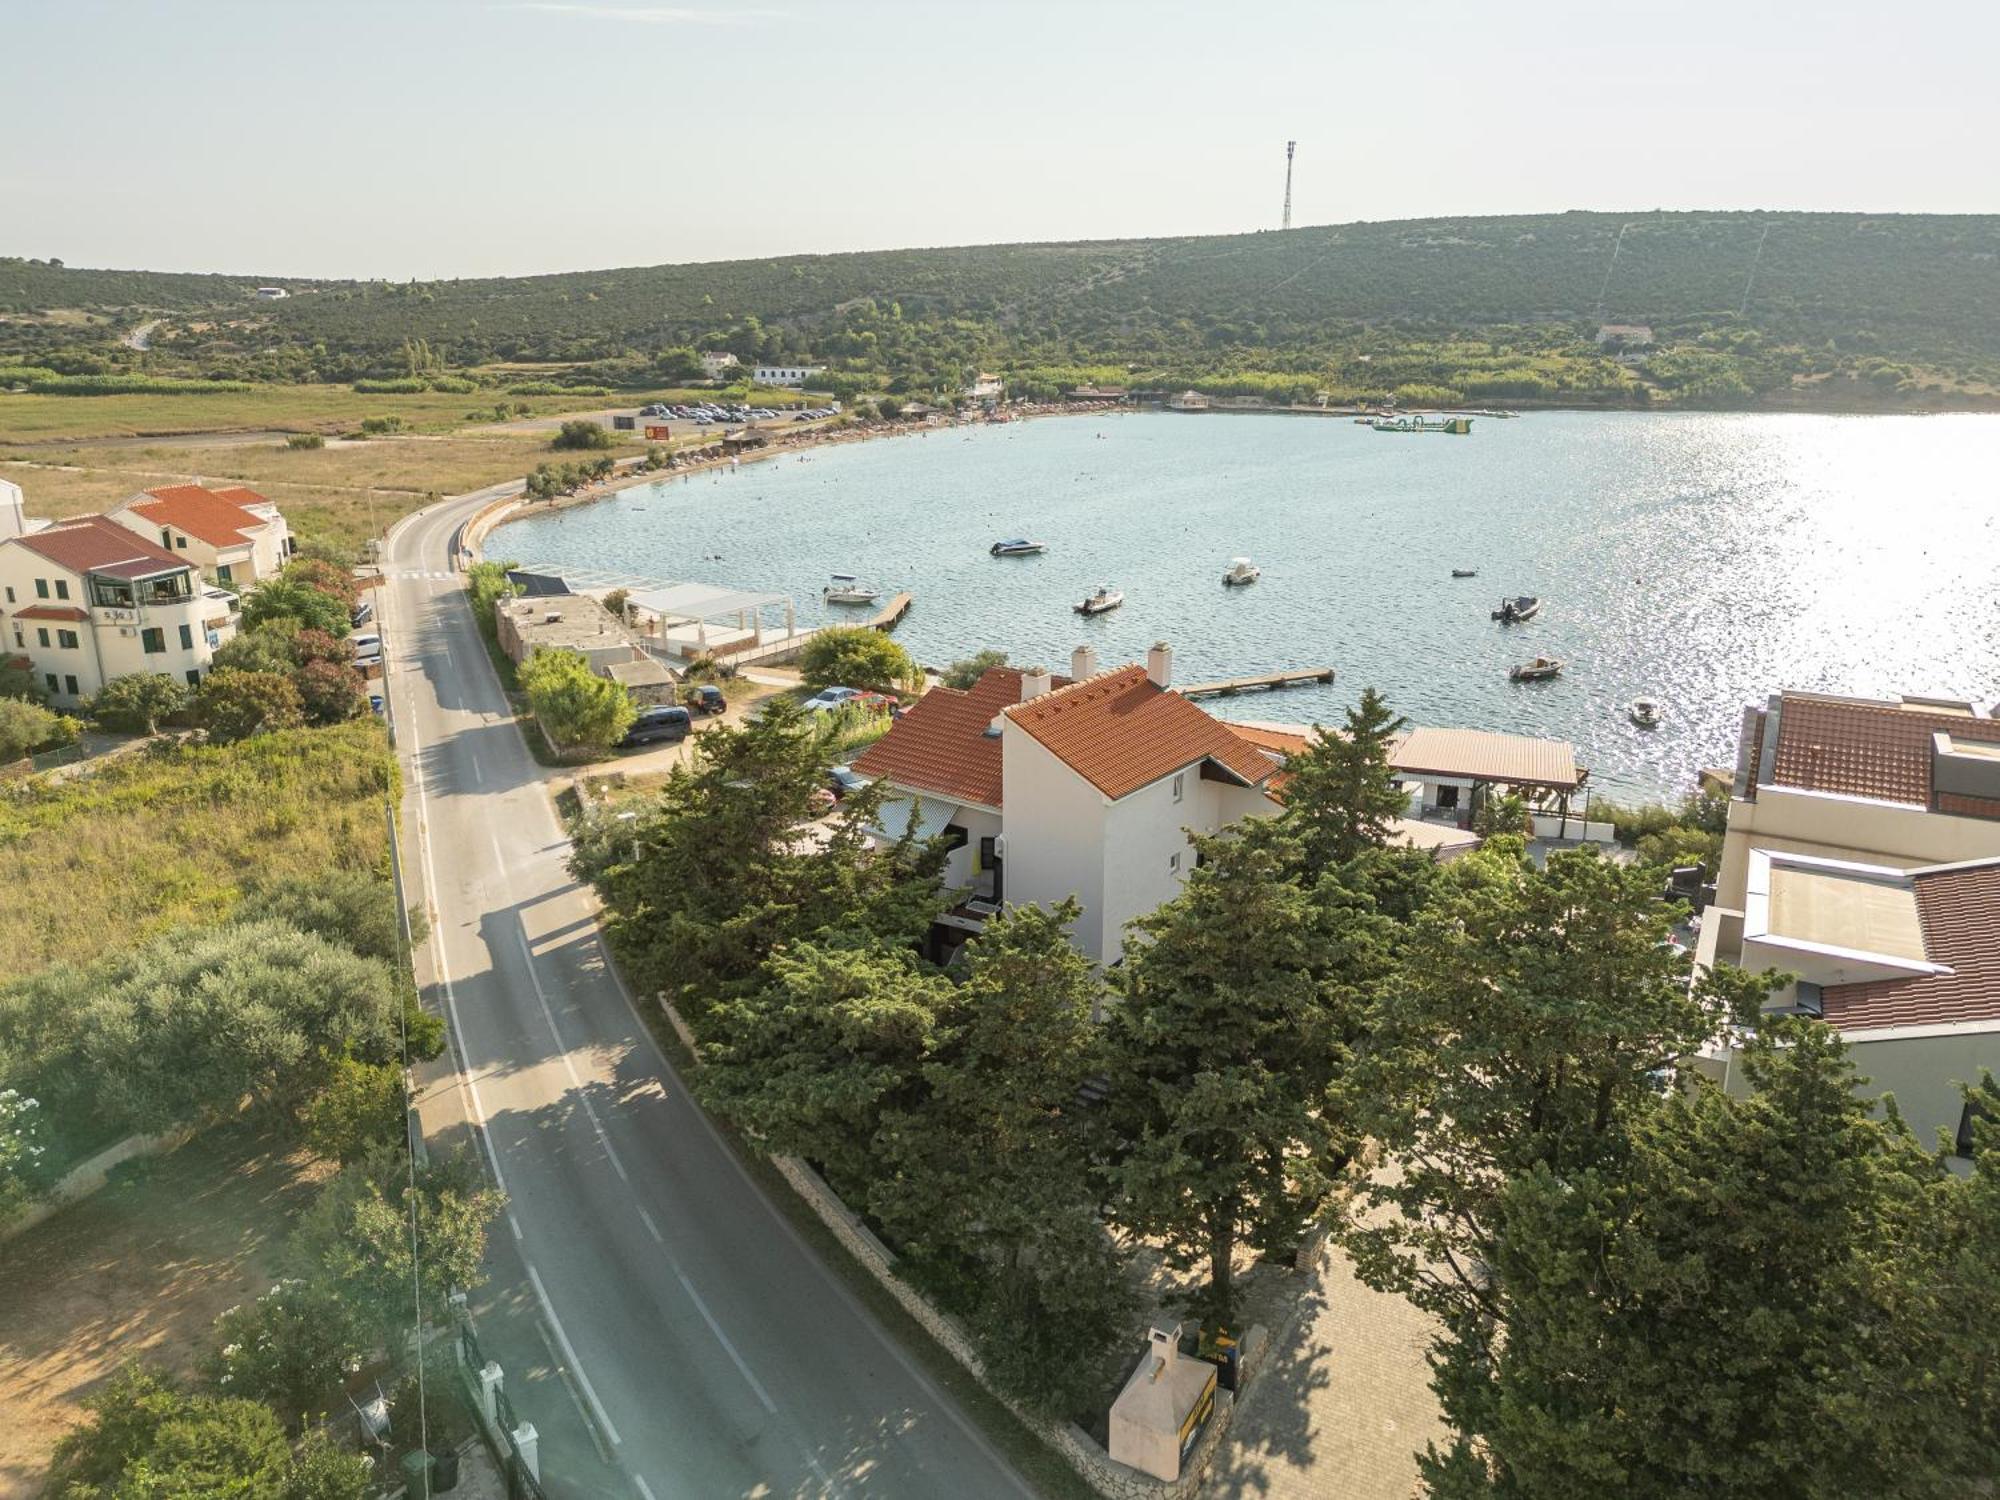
714, 1353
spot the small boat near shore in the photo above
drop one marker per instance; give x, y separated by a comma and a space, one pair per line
847, 589
1518, 610
1645, 713
1017, 547
1103, 601
1457, 426
1465, 572
1541, 669
1241, 571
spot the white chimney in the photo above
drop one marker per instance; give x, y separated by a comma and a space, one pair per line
1035, 681
13, 512
1082, 663
1160, 665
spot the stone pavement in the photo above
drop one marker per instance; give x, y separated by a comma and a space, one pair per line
1342, 1404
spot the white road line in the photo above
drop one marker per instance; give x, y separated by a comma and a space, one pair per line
652, 1228
515, 1225
645, 1489
569, 1353
756, 1386
569, 1064
569, 1385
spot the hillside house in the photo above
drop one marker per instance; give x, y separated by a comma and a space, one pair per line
715, 361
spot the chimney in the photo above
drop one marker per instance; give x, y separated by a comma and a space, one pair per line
1035, 681
1160, 665
1082, 663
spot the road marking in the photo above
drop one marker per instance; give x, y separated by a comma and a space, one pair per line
652, 1228
644, 1488
569, 1352
756, 1386
562, 1369
569, 1065
515, 1225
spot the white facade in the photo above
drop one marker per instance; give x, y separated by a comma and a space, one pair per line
81, 626
786, 375
236, 550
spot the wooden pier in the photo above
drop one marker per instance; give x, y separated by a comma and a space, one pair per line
1269, 680
891, 614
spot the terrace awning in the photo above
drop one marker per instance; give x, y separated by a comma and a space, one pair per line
932, 816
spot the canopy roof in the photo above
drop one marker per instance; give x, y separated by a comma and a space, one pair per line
681, 601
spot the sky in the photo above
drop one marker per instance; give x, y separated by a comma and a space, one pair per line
438, 138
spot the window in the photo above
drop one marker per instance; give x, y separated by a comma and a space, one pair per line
193, 677
20, 640
1174, 863
69, 685
41, 588
41, 635
153, 639
187, 638
66, 639
222, 573
1180, 785
62, 588
10, 593
181, 542
50, 679
166, 537
1447, 796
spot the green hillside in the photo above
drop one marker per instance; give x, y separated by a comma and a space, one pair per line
1744, 305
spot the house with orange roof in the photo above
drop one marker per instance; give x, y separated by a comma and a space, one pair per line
1048, 787
233, 534
1862, 860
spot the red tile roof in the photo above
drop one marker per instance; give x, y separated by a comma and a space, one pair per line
98, 544
941, 745
52, 612
241, 494
215, 516
1863, 748
1959, 911
1119, 732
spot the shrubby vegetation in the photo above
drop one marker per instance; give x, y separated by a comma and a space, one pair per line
856, 656
580, 710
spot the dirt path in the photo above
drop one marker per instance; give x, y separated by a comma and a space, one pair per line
140, 1270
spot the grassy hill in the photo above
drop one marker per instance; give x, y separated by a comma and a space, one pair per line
1840, 292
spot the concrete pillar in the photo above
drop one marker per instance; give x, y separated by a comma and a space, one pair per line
530, 1444
490, 1381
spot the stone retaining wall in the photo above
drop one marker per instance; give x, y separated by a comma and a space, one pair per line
1109, 1478
87, 1176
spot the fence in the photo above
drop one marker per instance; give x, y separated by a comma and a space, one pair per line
514, 1442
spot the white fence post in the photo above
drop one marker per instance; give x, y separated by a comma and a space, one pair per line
529, 1446
490, 1381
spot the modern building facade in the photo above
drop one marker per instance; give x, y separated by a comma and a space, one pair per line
785, 375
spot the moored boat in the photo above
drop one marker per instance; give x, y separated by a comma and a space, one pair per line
1520, 608
1017, 547
1645, 712
1241, 570
1104, 600
1541, 669
847, 589
1465, 572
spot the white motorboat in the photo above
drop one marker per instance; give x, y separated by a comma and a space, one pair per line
1518, 610
1241, 570
1103, 601
1541, 669
1017, 547
847, 589
1645, 712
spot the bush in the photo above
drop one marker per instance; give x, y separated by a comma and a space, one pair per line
487, 583
361, 1107
305, 440
967, 670
294, 598
582, 433
329, 692
234, 705
293, 1348
146, 1437
579, 709
329, 578
139, 703
408, 385
21, 1151
354, 907
855, 656
269, 647
26, 727
376, 426
19, 680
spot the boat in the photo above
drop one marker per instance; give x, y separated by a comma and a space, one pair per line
1465, 572
1102, 602
1541, 669
1017, 547
1645, 712
1458, 426
847, 589
1517, 610
1241, 570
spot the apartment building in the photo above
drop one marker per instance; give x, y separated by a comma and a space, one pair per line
232, 534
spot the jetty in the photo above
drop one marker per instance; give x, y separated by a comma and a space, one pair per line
890, 615
1228, 686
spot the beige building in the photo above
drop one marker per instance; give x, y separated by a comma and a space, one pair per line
1863, 858
85, 601
573, 622
232, 534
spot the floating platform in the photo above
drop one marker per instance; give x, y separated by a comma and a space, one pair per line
1304, 677
890, 615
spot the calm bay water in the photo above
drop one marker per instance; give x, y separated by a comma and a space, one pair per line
1703, 560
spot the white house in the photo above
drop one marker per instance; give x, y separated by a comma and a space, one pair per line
1050, 788
233, 534
86, 601
715, 361
786, 375
1863, 857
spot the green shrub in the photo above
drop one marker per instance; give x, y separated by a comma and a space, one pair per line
27, 727
855, 656
293, 1348
361, 1106
139, 703
407, 385
579, 709
582, 433
305, 440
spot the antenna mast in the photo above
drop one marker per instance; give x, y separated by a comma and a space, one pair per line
1289, 147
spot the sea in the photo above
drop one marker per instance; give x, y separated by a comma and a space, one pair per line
1703, 560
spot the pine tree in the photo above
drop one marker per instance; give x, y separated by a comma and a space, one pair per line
1341, 796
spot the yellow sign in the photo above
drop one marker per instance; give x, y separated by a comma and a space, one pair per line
1191, 1424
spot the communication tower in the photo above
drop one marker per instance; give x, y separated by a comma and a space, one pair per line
1290, 146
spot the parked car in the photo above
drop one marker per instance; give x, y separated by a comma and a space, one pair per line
830, 698
365, 645
660, 724
840, 780
363, 613
883, 703
708, 699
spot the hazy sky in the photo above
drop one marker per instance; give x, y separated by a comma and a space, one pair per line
465, 137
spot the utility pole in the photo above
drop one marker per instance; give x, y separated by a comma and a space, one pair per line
1290, 146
